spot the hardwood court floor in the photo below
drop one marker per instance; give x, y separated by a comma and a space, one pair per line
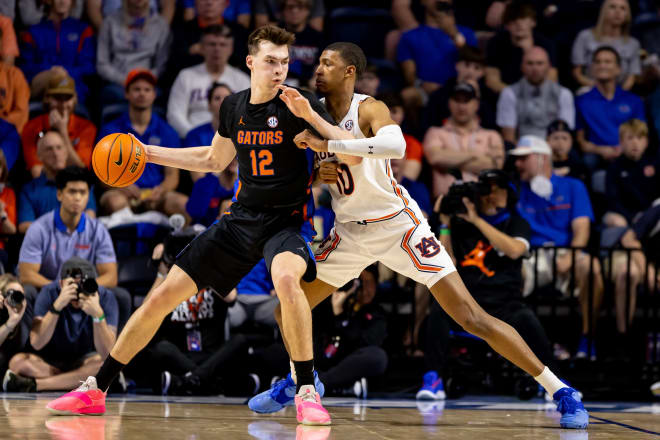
149, 417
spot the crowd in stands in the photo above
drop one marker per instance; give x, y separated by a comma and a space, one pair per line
543, 116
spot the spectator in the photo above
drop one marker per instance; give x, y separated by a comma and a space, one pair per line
566, 161
369, 82
131, 38
351, 349
559, 212
650, 33
612, 30
272, 12
154, 190
35, 11
188, 102
61, 43
72, 333
10, 142
633, 182
461, 144
304, 52
7, 210
470, 68
439, 35
238, 11
16, 319
531, 104
8, 46
98, 10
67, 232
203, 134
412, 165
78, 133
505, 50
487, 243
14, 89
39, 196
255, 299
601, 110
417, 190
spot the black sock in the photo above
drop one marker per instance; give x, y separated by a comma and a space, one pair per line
304, 373
108, 372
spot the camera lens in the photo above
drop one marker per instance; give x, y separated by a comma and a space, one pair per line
88, 286
14, 297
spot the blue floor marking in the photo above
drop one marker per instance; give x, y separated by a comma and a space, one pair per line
634, 428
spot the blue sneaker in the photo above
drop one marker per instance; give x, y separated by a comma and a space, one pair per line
583, 348
433, 389
569, 404
279, 395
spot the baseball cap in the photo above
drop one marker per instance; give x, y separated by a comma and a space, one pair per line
465, 89
60, 84
558, 125
85, 267
136, 74
531, 144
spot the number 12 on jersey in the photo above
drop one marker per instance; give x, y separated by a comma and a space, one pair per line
260, 162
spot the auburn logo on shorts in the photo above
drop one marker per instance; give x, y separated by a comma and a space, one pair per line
428, 247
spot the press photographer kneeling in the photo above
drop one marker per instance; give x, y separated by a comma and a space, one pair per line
15, 319
481, 230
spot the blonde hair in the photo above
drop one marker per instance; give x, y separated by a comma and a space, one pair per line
635, 127
5, 280
598, 29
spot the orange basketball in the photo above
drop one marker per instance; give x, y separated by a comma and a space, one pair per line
119, 159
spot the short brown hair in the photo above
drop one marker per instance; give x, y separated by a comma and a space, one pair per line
635, 127
518, 9
274, 34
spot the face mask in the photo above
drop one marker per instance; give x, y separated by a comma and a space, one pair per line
541, 186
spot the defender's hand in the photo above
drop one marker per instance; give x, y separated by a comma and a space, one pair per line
305, 139
297, 103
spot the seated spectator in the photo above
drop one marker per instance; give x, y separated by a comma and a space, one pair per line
461, 145
8, 46
566, 161
39, 196
14, 89
470, 68
602, 110
304, 52
272, 12
487, 243
504, 53
67, 232
15, 317
188, 102
439, 35
612, 30
369, 82
412, 165
43, 48
203, 134
633, 179
35, 11
154, 190
255, 299
531, 104
98, 10
559, 212
77, 132
131, 38
72, 332
417, 190
10, 143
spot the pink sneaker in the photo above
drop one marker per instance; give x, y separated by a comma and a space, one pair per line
309, 409
86, 399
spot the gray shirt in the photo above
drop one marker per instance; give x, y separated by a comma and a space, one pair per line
628, 48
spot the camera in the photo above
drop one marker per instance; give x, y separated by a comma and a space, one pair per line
86, 285
14, 298
452, 203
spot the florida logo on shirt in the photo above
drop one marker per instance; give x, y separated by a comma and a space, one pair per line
625, 108
272, 122
349, 125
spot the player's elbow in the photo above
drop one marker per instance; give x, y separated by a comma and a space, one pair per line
400, 149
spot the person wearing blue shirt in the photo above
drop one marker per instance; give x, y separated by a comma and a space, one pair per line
256, 299
154, 190
559, 213
430, 51
602, 110
10, 142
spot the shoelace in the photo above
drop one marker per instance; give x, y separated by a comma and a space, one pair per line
308, 397
84, 386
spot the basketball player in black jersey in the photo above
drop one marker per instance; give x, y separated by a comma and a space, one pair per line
269, 219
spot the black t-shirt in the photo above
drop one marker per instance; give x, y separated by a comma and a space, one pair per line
501, 53
576, 168
632, 186
647, 229
272, 171
491, 277
304, 53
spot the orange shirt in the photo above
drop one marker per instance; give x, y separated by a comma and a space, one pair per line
414, 150
9, 46
8, 197
14, 96
82, 134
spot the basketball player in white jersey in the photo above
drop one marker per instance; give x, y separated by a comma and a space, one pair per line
376, 220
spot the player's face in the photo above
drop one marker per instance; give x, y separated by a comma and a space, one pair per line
330, 72
74, 197
141, 94
270, 65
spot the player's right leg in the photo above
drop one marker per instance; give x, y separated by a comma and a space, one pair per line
89, 398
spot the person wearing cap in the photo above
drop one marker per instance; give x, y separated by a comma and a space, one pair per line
78, 133
187, 106
14, 89
529, 105
566, 161
305, 51
154, 190
71, 333
461, 147
559, 212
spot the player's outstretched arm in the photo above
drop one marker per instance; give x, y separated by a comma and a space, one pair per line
212, 158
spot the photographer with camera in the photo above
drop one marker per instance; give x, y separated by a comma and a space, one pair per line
15, 319
487, 239
74, 328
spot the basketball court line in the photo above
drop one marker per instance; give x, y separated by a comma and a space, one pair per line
624, 425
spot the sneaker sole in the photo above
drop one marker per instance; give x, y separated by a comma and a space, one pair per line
58, 412
314, 423
425, 395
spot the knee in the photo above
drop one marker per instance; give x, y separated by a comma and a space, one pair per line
159, 303
18, 362
93, 364
287, 286
378, 358
113, 201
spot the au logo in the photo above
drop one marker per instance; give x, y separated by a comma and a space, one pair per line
272, 122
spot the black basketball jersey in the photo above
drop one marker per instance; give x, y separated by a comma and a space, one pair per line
272, 171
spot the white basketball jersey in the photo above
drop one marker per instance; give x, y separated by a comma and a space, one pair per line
367, 191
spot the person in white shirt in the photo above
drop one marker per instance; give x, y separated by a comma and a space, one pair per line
187, 107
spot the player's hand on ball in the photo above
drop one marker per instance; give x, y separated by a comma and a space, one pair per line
297, 103
328, 172
306, 139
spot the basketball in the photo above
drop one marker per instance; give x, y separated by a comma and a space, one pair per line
118, 159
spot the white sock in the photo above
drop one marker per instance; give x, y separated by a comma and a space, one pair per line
293, 372
549, 381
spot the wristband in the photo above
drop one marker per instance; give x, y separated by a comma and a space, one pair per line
99, 319
53, 310
160, 275
444, 226
445, 231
